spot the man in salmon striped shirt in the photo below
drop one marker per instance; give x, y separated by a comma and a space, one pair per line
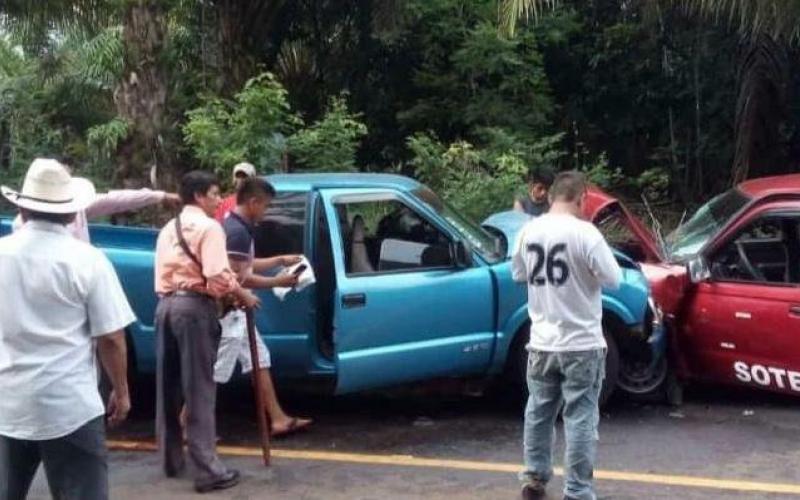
191, 271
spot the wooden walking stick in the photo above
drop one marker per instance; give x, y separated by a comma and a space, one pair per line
261, 414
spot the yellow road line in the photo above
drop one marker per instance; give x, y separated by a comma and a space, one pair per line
412, 461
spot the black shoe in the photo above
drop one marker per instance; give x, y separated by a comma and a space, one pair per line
534, 491
225, 481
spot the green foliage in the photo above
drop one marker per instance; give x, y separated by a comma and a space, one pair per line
99, 59
104, 139
477, 182
469, 78
603, 175
330, 144
249, 128
654, 184
640, 95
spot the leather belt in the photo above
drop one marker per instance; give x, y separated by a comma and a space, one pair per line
188, 293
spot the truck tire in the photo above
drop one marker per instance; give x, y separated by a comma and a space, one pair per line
517, 370
612, 369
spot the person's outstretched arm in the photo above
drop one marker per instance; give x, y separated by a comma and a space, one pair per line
127, 200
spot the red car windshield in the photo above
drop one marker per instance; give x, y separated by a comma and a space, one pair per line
688, 239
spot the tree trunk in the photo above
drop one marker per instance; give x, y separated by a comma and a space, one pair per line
760, 108
140, 96
698, 133
244, 28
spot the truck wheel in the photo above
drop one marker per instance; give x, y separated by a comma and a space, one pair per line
643, 378
612, 369
518, 367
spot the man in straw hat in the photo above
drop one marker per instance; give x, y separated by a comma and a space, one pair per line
67, 295
191, 271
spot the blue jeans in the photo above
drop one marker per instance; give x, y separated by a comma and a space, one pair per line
572, 380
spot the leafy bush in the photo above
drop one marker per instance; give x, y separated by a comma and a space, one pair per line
477, 182
329, 144
654, 184
103, 139
604, 175
251, 128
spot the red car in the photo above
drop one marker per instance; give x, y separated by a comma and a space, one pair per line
728, 281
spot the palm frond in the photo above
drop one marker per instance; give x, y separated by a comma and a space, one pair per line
511, 12
37, 25
774, 18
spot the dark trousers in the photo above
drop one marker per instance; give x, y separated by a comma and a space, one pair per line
188, 335
76, 465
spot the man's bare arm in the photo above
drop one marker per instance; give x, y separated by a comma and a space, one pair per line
261, 265
258, 281
113, 354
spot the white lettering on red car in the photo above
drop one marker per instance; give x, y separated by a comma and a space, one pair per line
767, 375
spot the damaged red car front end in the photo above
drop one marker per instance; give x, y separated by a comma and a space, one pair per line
629, 234
727, 281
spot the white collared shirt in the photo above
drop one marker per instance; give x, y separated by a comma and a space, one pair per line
59, 294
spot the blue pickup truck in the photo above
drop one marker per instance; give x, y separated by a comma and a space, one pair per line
407, 289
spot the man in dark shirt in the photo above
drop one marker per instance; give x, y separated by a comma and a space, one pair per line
252, 200
535, 202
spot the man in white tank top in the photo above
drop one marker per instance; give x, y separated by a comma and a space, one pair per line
565, 262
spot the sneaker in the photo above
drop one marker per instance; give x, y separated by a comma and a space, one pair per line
534, 490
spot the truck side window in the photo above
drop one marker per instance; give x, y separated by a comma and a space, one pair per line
764, 252
387, 235
283, 229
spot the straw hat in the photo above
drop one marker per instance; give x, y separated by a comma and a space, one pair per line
49, 188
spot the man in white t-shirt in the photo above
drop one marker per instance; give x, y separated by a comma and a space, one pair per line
61, 294
565, 262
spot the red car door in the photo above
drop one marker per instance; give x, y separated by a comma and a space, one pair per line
743, 325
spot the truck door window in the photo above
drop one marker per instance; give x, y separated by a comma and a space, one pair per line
387, 235
760, 253
283, 229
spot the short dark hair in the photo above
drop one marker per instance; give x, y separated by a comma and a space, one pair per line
568, 186
540, 175
254, 187
61, 219
196, 182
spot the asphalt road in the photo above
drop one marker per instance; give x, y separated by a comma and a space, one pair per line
443, 445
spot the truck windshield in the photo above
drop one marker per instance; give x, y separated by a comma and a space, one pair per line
480, 239
688, 239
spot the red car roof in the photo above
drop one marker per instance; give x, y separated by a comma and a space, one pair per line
767, 186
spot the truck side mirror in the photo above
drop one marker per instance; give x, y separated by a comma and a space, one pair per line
462, 254
697, 269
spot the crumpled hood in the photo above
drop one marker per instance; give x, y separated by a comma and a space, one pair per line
599, 204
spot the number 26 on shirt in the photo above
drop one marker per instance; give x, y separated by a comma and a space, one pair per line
556, 269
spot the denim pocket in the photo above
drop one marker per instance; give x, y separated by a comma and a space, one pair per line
536, 361
584, 368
